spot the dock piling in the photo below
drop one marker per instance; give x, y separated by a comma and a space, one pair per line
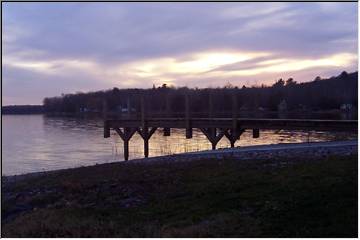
126, 136
233, 135
256, 133
106, 126
146, 135
167, 113
187, 117
213, 135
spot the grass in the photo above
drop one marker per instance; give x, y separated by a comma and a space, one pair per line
205, 198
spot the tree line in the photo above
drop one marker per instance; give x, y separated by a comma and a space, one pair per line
319, 94
22, 109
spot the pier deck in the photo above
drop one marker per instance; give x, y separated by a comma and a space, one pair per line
247, 123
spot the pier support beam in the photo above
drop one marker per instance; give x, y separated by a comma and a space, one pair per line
166, 131
106, 125
213, 136
106, 129
146, 134
256, 133
187, 117
233, 135
167, 113
126, 136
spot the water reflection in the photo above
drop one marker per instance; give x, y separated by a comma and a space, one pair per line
37, 143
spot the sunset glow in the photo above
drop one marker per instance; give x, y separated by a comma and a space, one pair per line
240, 43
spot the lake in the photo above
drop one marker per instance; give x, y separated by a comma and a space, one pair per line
32, 143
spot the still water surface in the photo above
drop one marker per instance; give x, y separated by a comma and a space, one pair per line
33, 143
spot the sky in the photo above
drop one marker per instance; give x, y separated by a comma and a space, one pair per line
55, 48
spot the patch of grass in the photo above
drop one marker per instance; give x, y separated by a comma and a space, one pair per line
207, 198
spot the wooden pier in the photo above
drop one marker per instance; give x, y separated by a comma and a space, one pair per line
212, 127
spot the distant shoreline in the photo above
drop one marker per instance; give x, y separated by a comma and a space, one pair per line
295, 113
22, 109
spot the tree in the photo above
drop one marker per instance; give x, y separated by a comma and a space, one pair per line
279, 83
290, 82
344, 74
316, 95
228, 85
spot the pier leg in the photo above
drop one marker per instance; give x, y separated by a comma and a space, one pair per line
126, 136
126, 150
256, 133
188, 132
167, 113
187, 117
166, 131
213, 145
232, 143
212, 135
146, 148
232, 135
106, 129
106, 125
146, 135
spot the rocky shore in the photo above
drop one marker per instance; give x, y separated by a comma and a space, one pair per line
305, 150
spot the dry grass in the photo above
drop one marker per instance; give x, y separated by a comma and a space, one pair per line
206, 198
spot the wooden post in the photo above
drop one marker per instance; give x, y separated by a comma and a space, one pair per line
234, 111
256, 133
232, 138
213, 144
168, 111
146, 142
106, 129
212, 130
232, 135
212, 135
106, 125
166, 131
126, 136
146, 135
187, 117
126, 150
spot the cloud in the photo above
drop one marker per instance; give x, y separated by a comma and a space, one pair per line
89, 46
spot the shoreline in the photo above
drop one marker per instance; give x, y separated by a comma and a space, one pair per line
232, 195
285, 150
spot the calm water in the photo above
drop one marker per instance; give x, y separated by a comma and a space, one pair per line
34, 143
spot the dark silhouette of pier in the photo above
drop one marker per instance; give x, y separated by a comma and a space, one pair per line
213, 127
